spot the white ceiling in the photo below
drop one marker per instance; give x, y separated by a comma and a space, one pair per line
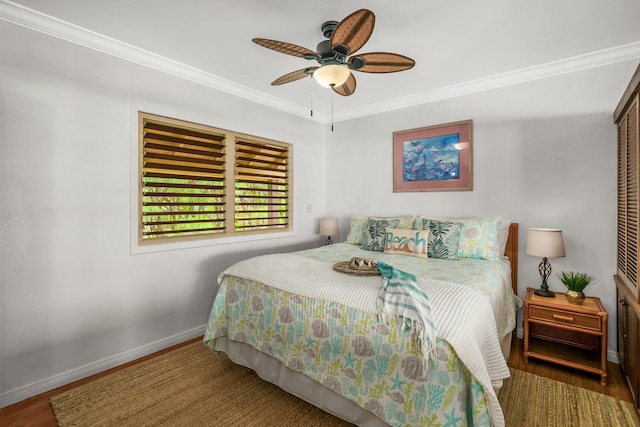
459, 46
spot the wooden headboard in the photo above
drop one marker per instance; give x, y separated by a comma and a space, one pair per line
511, 251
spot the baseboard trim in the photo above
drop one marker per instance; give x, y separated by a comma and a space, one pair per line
612, 356
21, 393
14, 396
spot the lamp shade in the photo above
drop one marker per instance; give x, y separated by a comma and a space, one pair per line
329, 227
331, 75
545, 243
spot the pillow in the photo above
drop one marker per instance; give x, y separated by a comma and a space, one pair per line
420, 223
503, 235
359, 226
400, 241
444, 239
479, 238
373, 236
356, 229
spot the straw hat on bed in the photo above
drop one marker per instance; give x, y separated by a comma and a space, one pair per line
358, 267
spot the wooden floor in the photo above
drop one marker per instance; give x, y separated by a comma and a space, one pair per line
615, 387
36, 411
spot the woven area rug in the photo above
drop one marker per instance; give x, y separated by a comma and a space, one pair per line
532, 400
192, 386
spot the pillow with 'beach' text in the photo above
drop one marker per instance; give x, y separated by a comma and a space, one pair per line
406, 242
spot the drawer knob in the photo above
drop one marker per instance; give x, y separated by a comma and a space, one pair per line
565, 318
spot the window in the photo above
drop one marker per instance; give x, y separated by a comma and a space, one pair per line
200, 182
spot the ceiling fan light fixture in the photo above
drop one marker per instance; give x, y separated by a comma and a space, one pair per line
335, 54
331, 75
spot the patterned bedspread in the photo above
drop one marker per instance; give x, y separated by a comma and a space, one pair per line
374, 364
491, 278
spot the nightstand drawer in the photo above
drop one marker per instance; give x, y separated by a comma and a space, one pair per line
583, 321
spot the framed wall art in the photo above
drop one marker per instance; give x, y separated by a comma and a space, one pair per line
433, 158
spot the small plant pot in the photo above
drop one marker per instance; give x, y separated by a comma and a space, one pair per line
575, 297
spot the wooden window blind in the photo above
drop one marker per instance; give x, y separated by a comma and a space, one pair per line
185, 190
261, 186
628, 195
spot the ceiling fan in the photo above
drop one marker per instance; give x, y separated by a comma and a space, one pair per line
336, 54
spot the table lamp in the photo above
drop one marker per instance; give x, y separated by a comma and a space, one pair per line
545, 243
329, 227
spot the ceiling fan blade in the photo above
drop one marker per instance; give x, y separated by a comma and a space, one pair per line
352, 32
381, 62
347, 88
294, 75
287, 48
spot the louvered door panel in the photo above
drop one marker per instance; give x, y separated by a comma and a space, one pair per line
628, 199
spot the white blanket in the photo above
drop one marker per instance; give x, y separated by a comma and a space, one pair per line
463, 317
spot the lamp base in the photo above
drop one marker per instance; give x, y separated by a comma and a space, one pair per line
545, 293
544, 268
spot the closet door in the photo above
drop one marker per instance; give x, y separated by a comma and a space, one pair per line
633, 355
628, 197
623, 329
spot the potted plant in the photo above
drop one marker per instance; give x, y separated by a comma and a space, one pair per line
575, 284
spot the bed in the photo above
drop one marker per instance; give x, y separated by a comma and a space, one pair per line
316, 332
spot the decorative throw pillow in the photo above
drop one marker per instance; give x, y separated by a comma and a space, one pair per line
373, 237
444, 239
479, 238
358, 227
406, 242
420, 223
406, 222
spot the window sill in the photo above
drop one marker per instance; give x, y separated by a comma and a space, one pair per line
137, 248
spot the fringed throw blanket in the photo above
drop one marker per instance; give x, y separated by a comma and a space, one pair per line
401, 297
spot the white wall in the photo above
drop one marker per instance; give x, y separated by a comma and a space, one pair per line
73, 300
544, 155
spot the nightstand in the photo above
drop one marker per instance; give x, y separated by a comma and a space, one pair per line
567, 334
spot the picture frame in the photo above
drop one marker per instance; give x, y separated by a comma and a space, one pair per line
434, 158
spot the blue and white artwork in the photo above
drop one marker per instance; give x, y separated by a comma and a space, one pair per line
435, 158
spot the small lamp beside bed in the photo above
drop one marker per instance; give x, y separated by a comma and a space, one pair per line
545, 243
328, 228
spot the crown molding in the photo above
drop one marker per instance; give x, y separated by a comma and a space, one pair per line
564, 66
54, 27
32, 19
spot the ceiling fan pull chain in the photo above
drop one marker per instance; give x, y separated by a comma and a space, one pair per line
311, 92
332, 111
